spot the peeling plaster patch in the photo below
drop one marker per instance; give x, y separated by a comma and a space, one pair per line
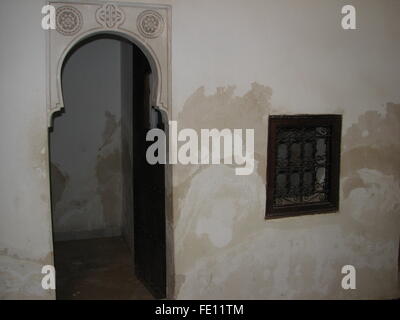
285, 258
42, 173
70, 215
201, 191
179, 281
221, 206
234, 273
371, 170
225, 110
307, 267
109, 129
21, 279
351, 184
59, 181
108, 172
218, 223
383, 130
374, 204
38, 148
384, 159
86, 205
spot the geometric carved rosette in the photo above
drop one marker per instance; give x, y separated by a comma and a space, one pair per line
150, 24
68, 20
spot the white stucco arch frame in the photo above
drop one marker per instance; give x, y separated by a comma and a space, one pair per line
154, 63
126, 23
84, 19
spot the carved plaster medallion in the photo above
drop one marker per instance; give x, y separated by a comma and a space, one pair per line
68, 20
150, 24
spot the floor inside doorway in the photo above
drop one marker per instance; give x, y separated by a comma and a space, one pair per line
96, 269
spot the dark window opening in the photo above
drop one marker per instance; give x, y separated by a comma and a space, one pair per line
303, 165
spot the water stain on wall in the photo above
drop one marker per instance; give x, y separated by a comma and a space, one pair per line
213, 203
223, 245
108, 173
15, 270
370, 169
88, 195
110, 128
373, 143
38, 148
59, 181
225, 110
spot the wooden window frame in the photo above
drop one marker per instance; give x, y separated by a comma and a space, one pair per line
301, 121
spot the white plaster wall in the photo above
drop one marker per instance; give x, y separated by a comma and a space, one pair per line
86, 145
25, 220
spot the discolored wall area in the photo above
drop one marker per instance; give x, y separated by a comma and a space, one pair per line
256, 58
25, 218
85, 143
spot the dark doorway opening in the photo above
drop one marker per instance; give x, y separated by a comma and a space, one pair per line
108, 203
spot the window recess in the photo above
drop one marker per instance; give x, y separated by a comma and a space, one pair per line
303, 165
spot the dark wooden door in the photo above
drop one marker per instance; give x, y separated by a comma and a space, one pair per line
149, 216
